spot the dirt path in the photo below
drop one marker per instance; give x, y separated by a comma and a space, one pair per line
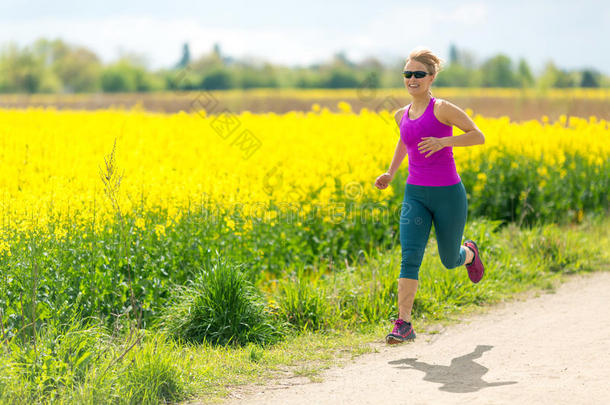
547, 350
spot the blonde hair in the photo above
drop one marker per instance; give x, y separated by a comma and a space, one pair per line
426, 57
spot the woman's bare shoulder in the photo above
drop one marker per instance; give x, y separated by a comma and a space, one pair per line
444, 105
399, 113
443, 109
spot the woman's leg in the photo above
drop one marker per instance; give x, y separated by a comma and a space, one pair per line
406, 296
415, 224
450, 209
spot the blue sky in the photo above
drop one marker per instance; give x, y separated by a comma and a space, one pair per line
574, 34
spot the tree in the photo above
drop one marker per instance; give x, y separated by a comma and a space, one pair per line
498, 72
186, 57
251, 77
21, 70
590, 78
306, 79
187, 79
372, 80
341, 78
453, 54
66, 67
79, 70
370, 63
462, 57
128, 75
117, 78
216, 51
525, 77
218, 79
555, 77
456, 75
208, 62
340, 60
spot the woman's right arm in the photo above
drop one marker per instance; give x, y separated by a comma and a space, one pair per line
401, 148
384, 180
399, 155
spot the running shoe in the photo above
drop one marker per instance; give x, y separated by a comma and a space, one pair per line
403, 331
475, 268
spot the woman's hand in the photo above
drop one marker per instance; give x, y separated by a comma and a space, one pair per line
430, 144
383, 181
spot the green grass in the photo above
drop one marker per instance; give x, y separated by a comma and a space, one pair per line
334, 315
220, 307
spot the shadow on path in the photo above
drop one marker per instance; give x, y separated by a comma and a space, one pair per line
463, 375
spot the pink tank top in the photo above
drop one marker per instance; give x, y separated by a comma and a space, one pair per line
437, 169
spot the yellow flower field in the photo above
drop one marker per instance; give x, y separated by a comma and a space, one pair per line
52, 159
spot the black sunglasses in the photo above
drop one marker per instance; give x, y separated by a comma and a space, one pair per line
418, 74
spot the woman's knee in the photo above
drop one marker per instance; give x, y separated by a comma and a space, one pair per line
411, 272
411, 262
451, 260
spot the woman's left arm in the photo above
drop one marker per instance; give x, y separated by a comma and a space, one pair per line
451, 114
454, 115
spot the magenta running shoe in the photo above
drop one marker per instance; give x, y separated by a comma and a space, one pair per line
403, 331
475, 268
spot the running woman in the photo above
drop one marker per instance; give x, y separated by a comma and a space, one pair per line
434, 192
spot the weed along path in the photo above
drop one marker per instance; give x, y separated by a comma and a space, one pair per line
549, 349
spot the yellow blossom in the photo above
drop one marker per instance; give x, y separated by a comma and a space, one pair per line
159, 230
140, 223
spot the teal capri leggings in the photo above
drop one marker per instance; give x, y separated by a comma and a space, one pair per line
447, 207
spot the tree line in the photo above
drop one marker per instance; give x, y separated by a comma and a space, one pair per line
54, 66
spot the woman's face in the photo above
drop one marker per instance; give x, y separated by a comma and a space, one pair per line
414, 85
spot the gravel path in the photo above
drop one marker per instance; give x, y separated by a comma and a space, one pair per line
551, 349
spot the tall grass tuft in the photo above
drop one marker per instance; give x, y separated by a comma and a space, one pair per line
59, 362
152, 374
303, 303
220, 307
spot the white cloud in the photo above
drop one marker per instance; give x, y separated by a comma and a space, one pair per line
161, 39
397, 31
467, 14
389, 33
425, 20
